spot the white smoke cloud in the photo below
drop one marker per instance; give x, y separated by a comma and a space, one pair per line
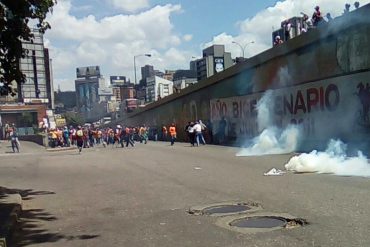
333, 161
264, 118
272, 140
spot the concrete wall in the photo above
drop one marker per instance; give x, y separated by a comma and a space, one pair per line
38, 139
338, 50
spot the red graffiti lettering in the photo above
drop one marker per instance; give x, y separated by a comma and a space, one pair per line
312, 98
326, 98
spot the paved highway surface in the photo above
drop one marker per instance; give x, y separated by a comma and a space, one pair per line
140, 197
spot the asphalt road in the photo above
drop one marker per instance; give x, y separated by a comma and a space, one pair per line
140, 197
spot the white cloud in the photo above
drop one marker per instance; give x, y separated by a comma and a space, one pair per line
130, 5
187, 37
110, 42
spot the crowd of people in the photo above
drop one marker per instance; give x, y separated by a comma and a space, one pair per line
316, 20
90, 136
194, 131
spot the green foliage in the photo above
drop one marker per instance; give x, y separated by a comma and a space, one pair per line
67, 98
14, 18
74, 119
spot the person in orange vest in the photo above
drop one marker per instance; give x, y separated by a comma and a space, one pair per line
173, 133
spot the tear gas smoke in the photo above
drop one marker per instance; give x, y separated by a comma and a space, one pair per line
263, 111
333, 161
272, 140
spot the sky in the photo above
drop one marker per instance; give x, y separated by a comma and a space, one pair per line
109, 33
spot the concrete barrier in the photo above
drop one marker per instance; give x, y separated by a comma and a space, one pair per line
334, 55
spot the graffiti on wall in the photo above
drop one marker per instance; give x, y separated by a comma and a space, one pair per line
343, 101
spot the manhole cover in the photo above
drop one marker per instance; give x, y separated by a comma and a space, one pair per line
259, 222
226, 209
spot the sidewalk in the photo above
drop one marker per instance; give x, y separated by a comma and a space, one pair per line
10, 210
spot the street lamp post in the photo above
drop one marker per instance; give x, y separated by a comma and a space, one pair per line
147, 55
243, 47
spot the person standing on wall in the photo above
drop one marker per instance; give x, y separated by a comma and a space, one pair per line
173, 133
316, 17
287, 25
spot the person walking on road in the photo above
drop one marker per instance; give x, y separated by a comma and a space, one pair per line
79, 138
198, 133
130, 136
190, 131
204, 127
164, 133
14, 140
173, 133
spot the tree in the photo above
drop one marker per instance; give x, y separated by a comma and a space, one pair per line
15, 16
74, 119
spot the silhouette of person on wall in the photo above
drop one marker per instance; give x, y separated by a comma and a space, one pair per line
364, 95
221, 130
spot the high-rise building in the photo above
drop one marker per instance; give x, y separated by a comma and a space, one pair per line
183, 79
146, 72
29, 107
168, 74
122, 89
38, 87
87, 84
214, 60
118, 80
158, 88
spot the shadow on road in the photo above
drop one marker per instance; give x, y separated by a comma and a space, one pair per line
31, 229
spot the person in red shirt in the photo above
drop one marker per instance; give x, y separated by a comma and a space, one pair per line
316, 17
173, 133
79, 138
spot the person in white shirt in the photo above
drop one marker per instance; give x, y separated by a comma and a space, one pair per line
198, 133
287, 28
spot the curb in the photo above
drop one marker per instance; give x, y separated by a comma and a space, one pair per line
10, 212
58, 150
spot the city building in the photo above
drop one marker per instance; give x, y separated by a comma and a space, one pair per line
159, 73
36, 65
118, 80
87, 84
36, 95
146, 72
157, 88
131, 105
168, 74
214, 60
121, 88
183, 79
106, 94
141, 95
